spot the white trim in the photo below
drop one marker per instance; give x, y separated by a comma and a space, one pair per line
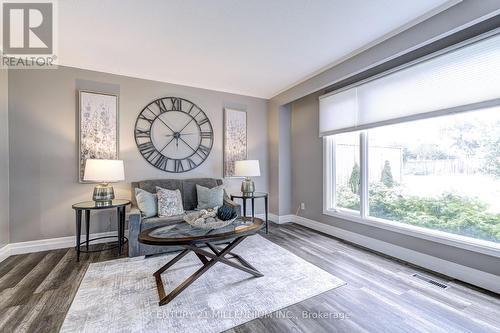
328, 175
272, 217
461, 242
363, 162
49, 244
470, 275
277, 219
4, 252
286, 218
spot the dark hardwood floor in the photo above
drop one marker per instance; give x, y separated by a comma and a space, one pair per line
37, 289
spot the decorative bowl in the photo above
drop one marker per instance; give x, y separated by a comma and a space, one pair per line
206, 219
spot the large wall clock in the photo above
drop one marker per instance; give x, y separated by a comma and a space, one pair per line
174, 134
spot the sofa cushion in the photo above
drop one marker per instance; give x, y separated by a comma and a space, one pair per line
209, 197
169, 202
189, 196
150, 186
147, 203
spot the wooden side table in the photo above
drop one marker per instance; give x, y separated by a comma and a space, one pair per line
255, 195
88, 206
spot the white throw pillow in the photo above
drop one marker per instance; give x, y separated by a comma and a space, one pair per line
169, 202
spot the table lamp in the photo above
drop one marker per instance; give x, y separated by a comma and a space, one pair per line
247, 169
103, 172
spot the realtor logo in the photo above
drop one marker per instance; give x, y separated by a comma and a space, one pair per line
29, 34
28, 28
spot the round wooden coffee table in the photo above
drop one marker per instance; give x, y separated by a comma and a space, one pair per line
192, 240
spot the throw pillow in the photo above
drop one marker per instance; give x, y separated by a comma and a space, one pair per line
169, 202
209, 197
146, 202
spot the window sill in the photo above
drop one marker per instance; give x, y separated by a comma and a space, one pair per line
461, 242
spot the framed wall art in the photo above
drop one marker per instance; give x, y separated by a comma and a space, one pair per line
235, 139
97, 128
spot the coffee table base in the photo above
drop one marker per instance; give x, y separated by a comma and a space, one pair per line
208, 259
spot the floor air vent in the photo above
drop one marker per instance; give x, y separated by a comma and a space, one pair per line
429, 280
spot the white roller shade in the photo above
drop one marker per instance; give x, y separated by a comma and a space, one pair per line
338, 111
464, 76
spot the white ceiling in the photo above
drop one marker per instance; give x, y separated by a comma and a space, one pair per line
251, 47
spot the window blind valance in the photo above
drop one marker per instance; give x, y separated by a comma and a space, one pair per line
462, 77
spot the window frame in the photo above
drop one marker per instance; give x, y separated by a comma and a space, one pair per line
363, 217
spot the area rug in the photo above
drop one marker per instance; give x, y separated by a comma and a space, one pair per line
121, 296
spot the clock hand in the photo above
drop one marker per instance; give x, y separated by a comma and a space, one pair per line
170, 128
189, 122
187, 144
161, 150
182, 134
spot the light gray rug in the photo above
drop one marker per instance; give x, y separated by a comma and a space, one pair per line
121, 296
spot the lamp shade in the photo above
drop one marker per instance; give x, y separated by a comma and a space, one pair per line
104, 171
247, 168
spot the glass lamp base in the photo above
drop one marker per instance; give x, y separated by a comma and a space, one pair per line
103, 194
247, 187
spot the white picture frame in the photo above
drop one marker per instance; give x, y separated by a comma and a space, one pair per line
98, 128
235, 139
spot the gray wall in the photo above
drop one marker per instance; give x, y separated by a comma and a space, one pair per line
273, 149
285, 169
4, 159
307, 187
43, 149
279, 145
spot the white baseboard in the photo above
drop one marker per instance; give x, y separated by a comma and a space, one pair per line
49, 244
278, 219
470, 275
4, 252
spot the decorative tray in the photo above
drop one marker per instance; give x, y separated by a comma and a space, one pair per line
206, 219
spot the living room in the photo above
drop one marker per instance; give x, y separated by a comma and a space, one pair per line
231, 166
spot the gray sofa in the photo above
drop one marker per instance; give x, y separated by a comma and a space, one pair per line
136, 223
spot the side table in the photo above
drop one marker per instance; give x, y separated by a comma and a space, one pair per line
255, 195
88, 206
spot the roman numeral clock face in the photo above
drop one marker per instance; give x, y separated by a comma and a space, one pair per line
173, 134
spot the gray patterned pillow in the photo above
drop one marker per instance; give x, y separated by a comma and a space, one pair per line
169, 202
